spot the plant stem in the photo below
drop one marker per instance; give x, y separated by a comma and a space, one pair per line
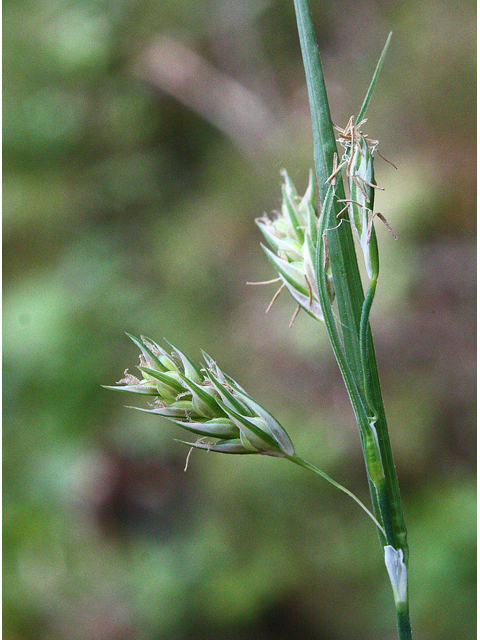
354, 350
365, 335
403, 625
307, 465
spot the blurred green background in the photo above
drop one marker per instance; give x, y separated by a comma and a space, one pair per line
141, 139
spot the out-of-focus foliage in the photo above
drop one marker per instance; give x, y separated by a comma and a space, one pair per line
141, 139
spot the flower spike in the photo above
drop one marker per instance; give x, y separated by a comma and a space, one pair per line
292, 237
204, 401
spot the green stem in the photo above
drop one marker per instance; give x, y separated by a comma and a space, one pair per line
369, 444
306, 465
403, 625
355, 351
366, 338
384, 502
370, 378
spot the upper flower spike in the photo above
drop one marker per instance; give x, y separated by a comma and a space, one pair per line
293, 237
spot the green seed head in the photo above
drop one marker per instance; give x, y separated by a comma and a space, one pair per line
204, 401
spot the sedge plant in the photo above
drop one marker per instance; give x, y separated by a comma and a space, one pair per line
313, 252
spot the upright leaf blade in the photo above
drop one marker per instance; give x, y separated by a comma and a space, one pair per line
341, 249
324, 145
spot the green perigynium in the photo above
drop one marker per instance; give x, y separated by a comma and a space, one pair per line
293, 237
205, 401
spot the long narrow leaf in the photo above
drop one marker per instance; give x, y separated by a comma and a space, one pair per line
348, 291
368, 96
324, 145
